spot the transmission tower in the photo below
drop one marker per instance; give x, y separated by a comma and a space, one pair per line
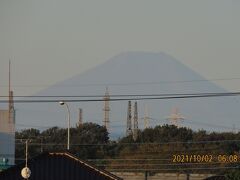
135, 122
106, 109
129, 120
146, 117
234, 130
175, 118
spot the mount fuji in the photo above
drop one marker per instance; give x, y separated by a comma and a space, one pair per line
135, 73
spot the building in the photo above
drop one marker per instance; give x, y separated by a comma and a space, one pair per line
7, 137
7, 131
57, 166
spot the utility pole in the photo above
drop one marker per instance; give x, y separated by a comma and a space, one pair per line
41, 144
146, 175
26, 172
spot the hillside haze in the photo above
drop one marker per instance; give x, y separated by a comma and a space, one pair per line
135, 73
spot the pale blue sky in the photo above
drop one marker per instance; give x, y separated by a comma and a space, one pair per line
51, 40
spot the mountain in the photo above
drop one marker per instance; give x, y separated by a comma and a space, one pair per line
136, 73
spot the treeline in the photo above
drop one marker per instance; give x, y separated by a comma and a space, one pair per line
86, 141
171, 149
160, 149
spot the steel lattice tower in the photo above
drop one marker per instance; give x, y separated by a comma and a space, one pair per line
135, 122
175, 118
146, 117
106, 109
129, 120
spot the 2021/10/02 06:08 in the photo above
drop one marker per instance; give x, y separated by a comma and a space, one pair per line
204, 158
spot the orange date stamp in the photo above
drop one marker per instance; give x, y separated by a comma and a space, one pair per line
205, 158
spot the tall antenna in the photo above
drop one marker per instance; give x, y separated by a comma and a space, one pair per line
10, 97
9, 77
135, 122
9, 91
106, 109
129, 120
146, 117
175, 118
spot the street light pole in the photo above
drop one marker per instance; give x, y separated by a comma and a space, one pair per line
26, 172
68, 119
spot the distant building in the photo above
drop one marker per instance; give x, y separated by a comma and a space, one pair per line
7, 137
57, 166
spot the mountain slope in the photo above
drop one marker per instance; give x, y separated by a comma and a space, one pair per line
137, 73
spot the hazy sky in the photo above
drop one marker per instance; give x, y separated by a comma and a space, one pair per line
51, 40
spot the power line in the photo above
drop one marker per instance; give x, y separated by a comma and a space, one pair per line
25, 125
122, 125
208, 124
117, 95
154, 143
188, 121
131, 95
200, 95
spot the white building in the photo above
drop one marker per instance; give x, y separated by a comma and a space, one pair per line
7, 136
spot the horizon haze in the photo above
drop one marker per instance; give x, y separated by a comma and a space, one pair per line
134, 73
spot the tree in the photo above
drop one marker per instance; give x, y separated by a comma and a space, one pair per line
89, 140
86, 141
233, 175
21, 137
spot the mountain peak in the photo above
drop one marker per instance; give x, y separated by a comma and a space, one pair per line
138, 73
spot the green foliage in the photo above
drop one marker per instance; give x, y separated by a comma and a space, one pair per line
55, 139
21, 137
166, 133
233, 175
153, 149
93, 138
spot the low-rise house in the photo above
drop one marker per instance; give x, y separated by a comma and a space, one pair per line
57, 166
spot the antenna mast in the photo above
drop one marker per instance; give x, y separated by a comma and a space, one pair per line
10, 96
9, 90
